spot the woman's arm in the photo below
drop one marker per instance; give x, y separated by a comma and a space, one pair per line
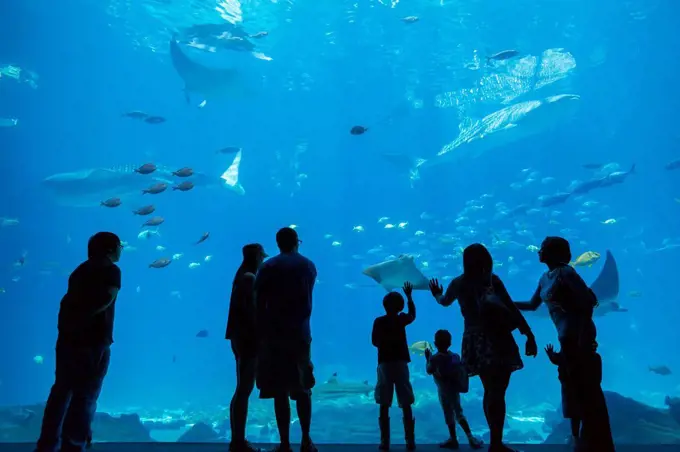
533, 304
451, 294
503, 294
586, 298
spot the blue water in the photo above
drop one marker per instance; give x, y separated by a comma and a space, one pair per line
334, 66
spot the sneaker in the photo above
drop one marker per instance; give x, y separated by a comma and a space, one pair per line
475, 443
242, 446
307, 445
451, 444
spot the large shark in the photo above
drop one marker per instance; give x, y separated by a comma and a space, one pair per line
89, 187
209, 82
606, 288
500, 128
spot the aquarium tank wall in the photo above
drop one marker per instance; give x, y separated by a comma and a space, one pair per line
390, 135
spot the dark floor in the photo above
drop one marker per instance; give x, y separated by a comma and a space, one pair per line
213, 447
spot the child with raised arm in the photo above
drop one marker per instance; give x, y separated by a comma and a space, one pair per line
451, 378
572, 408
389, 337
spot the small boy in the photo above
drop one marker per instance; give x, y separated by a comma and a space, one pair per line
389, 337
572, 408
451, 378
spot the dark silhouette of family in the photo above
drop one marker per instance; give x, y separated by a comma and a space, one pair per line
269, 329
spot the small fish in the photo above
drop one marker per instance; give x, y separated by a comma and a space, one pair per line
259, 34
202, 333
155, 189
155, 221
419, 347
146, 168
112, 202
503, 55
228, 150
135, 115
193, 265
146, 210
160, 263
183, 172
154, 120
184, 186
660, 370
358, 130
38, 359
410, 19
203, 238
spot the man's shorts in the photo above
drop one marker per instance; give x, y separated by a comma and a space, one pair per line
285, 369
394, 377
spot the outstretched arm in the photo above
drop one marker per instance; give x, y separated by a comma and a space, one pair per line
523, 326
533, 304
451, 294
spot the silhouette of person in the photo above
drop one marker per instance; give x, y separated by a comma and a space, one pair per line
451, 378
489, 349
283, 299
241, 333
389, 337
83, 347
571, 304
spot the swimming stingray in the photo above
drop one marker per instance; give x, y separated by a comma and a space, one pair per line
209, 82
606, 288
498, 129
89, 187
392, 274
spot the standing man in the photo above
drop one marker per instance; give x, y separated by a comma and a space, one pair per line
241, 333
83, 347
283, 298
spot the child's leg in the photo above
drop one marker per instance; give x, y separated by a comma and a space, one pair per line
575, 427
475, 443
384, 392
406, 399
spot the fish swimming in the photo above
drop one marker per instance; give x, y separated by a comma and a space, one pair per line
500, 128
209, 82
605, 287
89, 187
336, 389
392, 274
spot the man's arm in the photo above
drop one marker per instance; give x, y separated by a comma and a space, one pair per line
260, 300
109, 291
247, 290
533, 304
451, 293
375, 334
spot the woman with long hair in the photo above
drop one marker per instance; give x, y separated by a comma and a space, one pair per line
489, 348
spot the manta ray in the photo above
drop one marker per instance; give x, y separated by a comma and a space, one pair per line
209, 82
500, 128
392, 274
605, 287
89, 187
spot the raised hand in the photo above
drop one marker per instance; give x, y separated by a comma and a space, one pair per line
435, 288
408, 289
428, 353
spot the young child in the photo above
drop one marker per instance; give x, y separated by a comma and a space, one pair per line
389, 337
572, 408
451, 378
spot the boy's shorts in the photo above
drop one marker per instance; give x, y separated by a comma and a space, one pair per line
394, 377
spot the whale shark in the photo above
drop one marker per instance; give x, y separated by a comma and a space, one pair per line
392, 274
500, 128
209, 82
605, 287
89, 187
